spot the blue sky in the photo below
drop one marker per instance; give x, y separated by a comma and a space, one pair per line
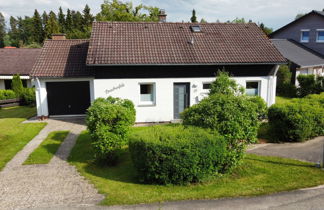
274, 13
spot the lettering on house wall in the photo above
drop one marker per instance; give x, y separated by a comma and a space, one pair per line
121, 85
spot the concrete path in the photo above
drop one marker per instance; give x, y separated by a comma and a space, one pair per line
47, 185
310, 151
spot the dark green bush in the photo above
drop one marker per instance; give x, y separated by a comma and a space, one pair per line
17, 85
177, 155
299, 120
28, 96
108, 122
284, 86
235, 117
7, 94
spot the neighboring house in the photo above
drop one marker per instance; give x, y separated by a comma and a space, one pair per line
162, 67
16, 61
302, 43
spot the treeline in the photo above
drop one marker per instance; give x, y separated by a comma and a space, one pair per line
32, 31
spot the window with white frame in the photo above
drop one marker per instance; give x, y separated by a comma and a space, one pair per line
252, 88
320, 35
305, 35
147, 93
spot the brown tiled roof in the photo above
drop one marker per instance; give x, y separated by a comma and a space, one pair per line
127, 43
63, 58
17, 60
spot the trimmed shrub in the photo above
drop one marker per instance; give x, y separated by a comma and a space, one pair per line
225, 85
262, 108
235, 117
28, 96
17, 85
108, 122
7, 94
177, 155
298, 120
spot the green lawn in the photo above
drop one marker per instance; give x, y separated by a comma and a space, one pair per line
47, 149
13, 134
256, 176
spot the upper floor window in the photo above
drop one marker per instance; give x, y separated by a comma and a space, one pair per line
320, 35
304, 35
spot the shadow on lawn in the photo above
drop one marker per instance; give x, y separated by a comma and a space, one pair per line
279, 163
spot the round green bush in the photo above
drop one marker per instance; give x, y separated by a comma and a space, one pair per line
108, 121
7, 94
176, 154
298, 120
28, 96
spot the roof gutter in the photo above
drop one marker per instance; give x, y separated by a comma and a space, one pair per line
194, 64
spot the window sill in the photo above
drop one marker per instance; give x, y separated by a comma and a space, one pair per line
146, 104
317, 41
304, 41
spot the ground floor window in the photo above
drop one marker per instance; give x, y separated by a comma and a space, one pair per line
8, 82
147, 93
252, 88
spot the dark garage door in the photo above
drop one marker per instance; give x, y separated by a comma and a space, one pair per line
68, 98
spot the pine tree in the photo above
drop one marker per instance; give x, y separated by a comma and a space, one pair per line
193, 17
61, 20
38, 32
77, 20
68, 21
44, 19
87, 17
17, 85
52, 26
2, 30
13, 32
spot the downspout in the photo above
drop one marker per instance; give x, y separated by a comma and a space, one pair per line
271, 88
38, 86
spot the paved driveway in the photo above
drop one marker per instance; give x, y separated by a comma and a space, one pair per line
46, 185
311, 151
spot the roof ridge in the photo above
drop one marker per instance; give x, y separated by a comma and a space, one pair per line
188, 23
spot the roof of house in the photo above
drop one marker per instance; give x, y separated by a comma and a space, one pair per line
298, 53
63, 58
17, 60
142, 43
314, 12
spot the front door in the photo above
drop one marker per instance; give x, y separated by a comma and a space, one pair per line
181, 98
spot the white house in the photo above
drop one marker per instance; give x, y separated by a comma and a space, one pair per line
16, 61
162, 67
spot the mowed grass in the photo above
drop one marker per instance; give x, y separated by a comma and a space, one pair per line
282, 100
257, 175
47, 149
14, 135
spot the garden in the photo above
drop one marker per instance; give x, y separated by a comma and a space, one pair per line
202, 158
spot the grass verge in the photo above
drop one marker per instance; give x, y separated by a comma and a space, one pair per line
256, 176
47, 149
14, 135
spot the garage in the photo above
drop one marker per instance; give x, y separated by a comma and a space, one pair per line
68, 98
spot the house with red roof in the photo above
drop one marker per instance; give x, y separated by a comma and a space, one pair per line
162, 67
16, 61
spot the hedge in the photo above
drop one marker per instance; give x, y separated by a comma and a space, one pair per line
299, 120
7, 94
177, 155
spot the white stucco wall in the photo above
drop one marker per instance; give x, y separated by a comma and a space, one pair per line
163, 108
164, 105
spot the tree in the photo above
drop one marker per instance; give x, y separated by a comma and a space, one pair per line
225, 85
193, 18
2, 30
299, 15
38, 32
203, 20
44, 19
13, 32
118, 11
52, 26
87, 17
61, 20
68, 21
265, 29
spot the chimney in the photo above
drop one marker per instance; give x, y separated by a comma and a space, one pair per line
162, 16
58, 37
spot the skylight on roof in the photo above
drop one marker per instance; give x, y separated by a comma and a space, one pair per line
195, 28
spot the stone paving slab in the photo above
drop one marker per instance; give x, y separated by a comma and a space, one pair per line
47, 185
